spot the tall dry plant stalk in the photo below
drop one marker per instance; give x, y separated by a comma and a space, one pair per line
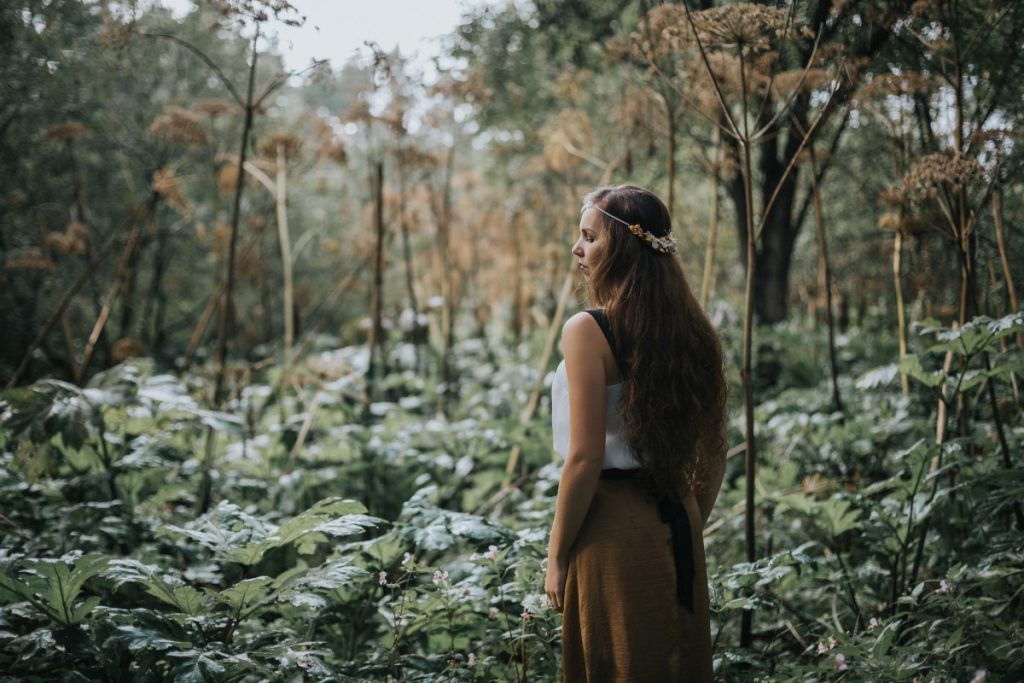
283, 148
375, 370
254, 13
744, 39
819, 222
707, 282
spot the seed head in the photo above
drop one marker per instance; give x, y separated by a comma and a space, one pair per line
179, 126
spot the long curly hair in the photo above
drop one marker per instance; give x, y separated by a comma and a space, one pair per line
673, 384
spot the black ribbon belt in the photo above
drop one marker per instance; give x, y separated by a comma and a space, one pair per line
671, 511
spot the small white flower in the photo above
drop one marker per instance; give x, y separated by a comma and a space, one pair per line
440, 577
492, 613
408, 561
980, 676
471, 660
535, 603
943, 588
841, 662
872, 624
382, 578
492, 552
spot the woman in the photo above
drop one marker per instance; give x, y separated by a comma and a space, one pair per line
638, 411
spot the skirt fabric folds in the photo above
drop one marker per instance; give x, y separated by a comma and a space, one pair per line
622, 620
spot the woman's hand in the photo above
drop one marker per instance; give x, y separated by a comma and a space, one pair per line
554, 581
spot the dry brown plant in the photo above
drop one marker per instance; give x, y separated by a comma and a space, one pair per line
165, 184
938, 173
292, 145
180, 126
215, 108
68, 131
566, 137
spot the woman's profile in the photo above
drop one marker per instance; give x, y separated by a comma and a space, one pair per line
638, 414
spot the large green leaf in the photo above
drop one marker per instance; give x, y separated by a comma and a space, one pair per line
159, 584
974, 336
238, 536
911, 366
52, 586
49, 408
245, 594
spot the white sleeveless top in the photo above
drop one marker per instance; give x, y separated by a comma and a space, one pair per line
616, 447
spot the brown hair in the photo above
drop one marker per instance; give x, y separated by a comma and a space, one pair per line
673, 384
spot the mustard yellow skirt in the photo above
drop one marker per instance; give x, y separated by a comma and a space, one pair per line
623, 620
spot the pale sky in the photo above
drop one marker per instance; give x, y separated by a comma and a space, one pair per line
336, 29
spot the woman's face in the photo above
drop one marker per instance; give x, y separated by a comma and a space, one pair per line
591, 242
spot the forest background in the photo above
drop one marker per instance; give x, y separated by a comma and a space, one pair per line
277, 345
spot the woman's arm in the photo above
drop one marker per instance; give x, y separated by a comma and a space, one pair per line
709, 481
582, 345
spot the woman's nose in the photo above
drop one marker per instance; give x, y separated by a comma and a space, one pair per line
577, 250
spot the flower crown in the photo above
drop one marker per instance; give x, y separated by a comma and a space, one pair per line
662, 245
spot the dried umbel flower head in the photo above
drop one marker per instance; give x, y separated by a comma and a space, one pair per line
909, 225
358, 112
786, 83
893, 196
411, 156
937, 172
215, 108
570, 130
68, 131
906, 83
259, 11
750, 26
128, 347
74, 239
290, 143
333, 149
890, 220
329, 145
179, 126
64, 242
165, 184
664, 30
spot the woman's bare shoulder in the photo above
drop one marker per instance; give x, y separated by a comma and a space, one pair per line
580, 331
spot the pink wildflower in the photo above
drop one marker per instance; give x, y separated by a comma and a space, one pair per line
841, 662
944, 588
980, 676
492, 552
471, 660
382, 578
526, 616
440, 577
825, 647
872, 624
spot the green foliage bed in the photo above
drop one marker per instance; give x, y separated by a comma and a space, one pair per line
385, 548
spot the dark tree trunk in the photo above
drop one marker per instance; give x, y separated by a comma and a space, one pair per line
774, 250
